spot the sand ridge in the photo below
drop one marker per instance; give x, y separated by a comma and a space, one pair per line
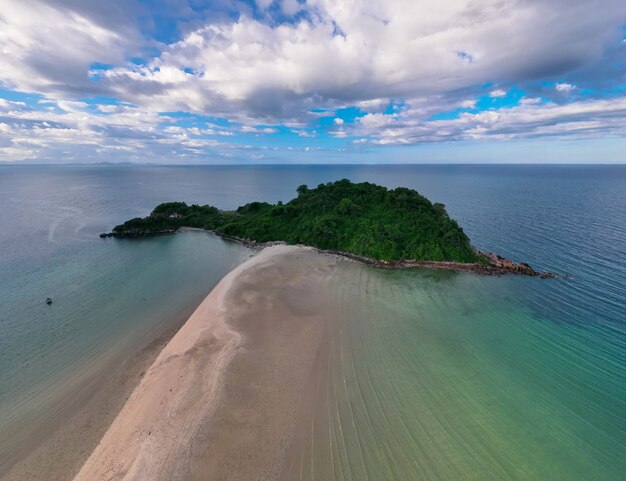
174, 426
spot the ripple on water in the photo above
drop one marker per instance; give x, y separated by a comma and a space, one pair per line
445, 376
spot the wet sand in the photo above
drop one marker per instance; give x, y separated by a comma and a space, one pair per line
226, 398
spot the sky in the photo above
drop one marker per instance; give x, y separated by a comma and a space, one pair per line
315, 81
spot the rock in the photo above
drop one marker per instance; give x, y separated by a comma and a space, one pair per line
504, 265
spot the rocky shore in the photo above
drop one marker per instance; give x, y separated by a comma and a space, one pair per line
130, 234
495, 265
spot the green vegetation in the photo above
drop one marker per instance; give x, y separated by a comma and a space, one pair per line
364, 219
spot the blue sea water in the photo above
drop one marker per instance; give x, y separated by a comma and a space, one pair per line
541, 361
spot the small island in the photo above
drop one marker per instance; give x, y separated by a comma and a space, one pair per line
392, 228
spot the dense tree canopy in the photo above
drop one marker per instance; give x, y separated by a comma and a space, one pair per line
364, 219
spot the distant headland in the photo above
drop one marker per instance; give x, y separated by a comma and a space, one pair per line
393, 228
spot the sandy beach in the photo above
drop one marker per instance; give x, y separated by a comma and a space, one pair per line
224, 398
63, 443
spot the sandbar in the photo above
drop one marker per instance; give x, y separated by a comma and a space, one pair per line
227, 396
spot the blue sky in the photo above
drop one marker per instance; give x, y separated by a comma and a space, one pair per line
316, 81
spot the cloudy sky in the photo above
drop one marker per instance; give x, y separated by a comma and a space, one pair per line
267, 81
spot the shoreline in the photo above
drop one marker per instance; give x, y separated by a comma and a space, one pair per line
68, 440
197, 376
236, 397
496, 264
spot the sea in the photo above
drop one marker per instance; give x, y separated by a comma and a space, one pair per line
438, 375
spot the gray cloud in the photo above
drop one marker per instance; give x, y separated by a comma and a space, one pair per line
391, 48
252, 66
49, 46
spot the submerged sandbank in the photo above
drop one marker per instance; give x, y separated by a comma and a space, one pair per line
222, 399
63, 443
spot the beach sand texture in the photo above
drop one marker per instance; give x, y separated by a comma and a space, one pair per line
223, 398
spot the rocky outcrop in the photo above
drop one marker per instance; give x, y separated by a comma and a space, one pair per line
495, 265
507, 266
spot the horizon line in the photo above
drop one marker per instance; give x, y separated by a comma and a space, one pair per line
302, 164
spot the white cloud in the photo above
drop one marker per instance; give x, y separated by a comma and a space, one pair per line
338, 121
16, 153
8, 105
50, 48
530, 100
468, 104
376, 120
565, 87
373, 105
264, 4
419, 57
584, 119
102, 133
348, 52
258, 130
290, 7
497, 93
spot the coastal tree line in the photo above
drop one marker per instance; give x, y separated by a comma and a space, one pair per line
358, 218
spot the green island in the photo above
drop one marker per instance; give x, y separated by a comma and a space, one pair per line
368, 222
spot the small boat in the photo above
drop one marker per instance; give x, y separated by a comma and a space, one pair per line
48, 300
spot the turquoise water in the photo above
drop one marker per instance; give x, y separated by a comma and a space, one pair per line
437, 375
443, 376
110, 299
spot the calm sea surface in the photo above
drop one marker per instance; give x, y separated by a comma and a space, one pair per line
437, 376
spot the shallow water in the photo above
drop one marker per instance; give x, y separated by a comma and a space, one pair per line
437, 375
110, 298
444, 376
